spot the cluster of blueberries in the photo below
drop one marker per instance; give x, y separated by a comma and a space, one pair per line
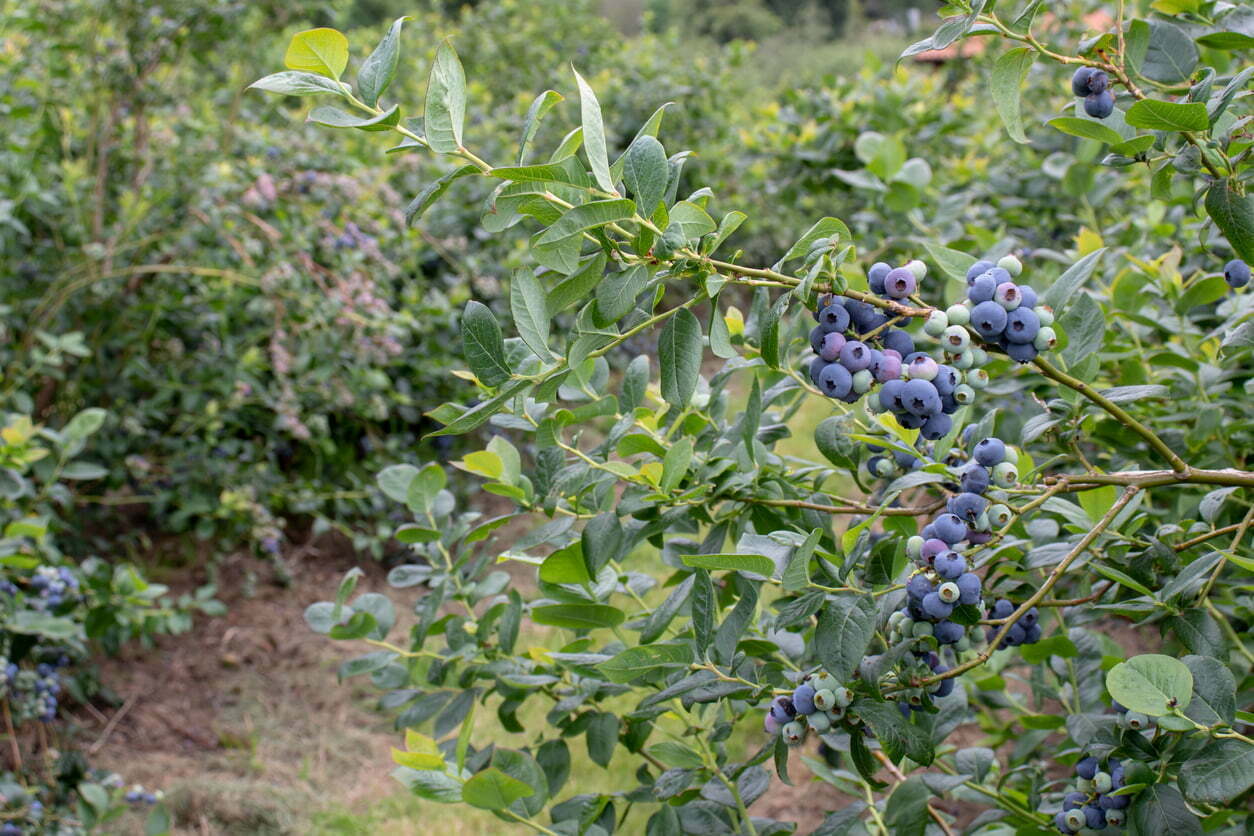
52, 585
32, 693
138, 795
1025, 630
1093, 804
820, 702
1002, 312
1093, 86
1237, 273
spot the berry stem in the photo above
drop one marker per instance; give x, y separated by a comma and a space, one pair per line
1223, 556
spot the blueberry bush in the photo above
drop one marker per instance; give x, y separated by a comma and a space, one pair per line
1013, 576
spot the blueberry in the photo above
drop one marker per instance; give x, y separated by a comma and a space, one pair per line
900, 283
794, 733
1073, 801
1116, 818
946, 379
955, 338
1099, 106
1060, 822
1094, 817
1032, 635
935, 607
835, 380
1007, 295
947, 632
803, 698
1027, 296
982, 289
999, 515
1237, 273
963, 394
937, 426
830, 346
988, 319
1022, 352
921, 398
978, 268
1022, 325
819, 722
1098, 82
1002, 608
1112, 802
1016, 635
898, 341
892, 395
968, 588
886, 366
923, 368
815, 369
855, 356
975, 478
834, 317
1087, 767
990, 452
950, 528
1046, 338
1080, 81
918, 587
824, 699
875, 277
936, 323
950, 566
1005, 475
843, 696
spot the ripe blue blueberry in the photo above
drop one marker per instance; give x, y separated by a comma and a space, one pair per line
948, 632
921, 398
988, 319
875, 277
937, 426
946, 379
1080, 81
1003, 609
1094, 817
950, 565
982, 288
975, 478
835, 380
1237, 273
1021, 352
782, 709
968, 506
835, 317
1087, 767
918, 586
898, 340
990, 452
935, 607
1100, 105
900, 283
932, 546
968, 588
1027, 297
803, 698
815, 369
886, 366
1007, 295
976, 269
855, 355
831, 345
950, 528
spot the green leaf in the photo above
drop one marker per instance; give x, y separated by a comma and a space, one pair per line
84, 424
394, 481
565, 566
824, 228
769, 331
690, 221
1086, 129
446, 102
646, 173
474, 417
483, 345
529, 305
594, 135
676, 755
1007, 82
602, 738
1203, 292
638, 661
1084, 324
333, 117
953, 263
1152, 684
1223, 770
617, 293
796, 575
896, 734
321, 51
1064, 287
749, 563
379, 68
679, 353
1159, 810
675, 464
542, 104
586, 216
846, 626
1157, 115
832, 438
906, 814
430, 784
492, 789
1233, 213
566, 170
434, 191
578, 616
1171, 56
293, 83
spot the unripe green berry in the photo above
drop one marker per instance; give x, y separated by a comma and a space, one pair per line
998, 515
843, 697
1075, 819
981, 522
1045, 314
819, 722
824, 699
1116, 818
963, 393
895, 619
922, 629
824, 681
975, 378
906, 626
918, 268
1084, 785
862, 382
963, 645
914, 547
948, 592
1045, 339
958, 314
1137, 721
1005, 475
1010, 264
794, 733
955, 338
1101, 783
979, 356
963, 361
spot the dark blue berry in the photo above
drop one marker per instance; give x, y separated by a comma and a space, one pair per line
1099, 106
1237, 273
